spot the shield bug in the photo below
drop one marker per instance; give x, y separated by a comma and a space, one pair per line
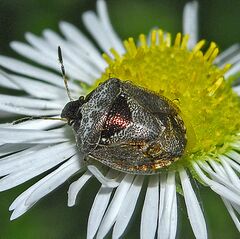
126, 127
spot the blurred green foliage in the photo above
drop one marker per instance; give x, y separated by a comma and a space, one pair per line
51, 218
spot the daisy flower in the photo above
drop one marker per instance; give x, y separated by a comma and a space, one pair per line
198, 82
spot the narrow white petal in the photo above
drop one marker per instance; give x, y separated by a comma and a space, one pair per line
74, 35
219, 178
230, 172
115, 205
72, 60
235, 145
126, 211
218, 168
227, 54
50, 52
71, 55
30, 70
150, 209
12, 148
6, 82
232, 213
233, 164
76, 187
27, 111
235, 156
39, 89
98, 209
36, 164
234, 70
19, 205
190, 22
35, 55
163, 180
29, 102
96, 29
237, 89
103, 15
216, 187
164, 226
46, 50
174, 217
235, 59
10, 163
11, 135
229, 205
195, 214
104, 180
57, 177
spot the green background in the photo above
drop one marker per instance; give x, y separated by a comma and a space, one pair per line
51, 218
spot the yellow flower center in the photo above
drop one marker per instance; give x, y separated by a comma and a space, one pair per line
207, 103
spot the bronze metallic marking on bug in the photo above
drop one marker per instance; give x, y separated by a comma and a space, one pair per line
127, 127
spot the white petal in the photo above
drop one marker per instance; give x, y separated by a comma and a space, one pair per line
230, 172
76, 187
96, 29
190, 22
237, 89
114, 207
30, 70
6, 82
39, 89
150, 209
167, 207
34, 54
234, 155
195, 214
19, 205
233, 70
11, 135
163, 180
27, 111
232, 162
10, 163
227, 54
71, 55
174, 217
105, 181
12, 148
50, 52
232, 213
218, 168
37, 163
216, 187
104, 18
218, 178
98, 209
74, 35
29, 102
57, 177
127, 208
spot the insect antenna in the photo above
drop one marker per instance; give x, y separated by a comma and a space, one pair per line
18, 121
63, 73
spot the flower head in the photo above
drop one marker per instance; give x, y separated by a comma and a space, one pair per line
194, 81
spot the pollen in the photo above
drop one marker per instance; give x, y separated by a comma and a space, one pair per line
188, 78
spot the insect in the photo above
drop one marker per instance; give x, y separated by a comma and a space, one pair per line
126, 127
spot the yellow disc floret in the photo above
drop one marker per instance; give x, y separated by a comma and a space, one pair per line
209, 107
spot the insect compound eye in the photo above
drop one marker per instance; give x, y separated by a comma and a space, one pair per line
71, 111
